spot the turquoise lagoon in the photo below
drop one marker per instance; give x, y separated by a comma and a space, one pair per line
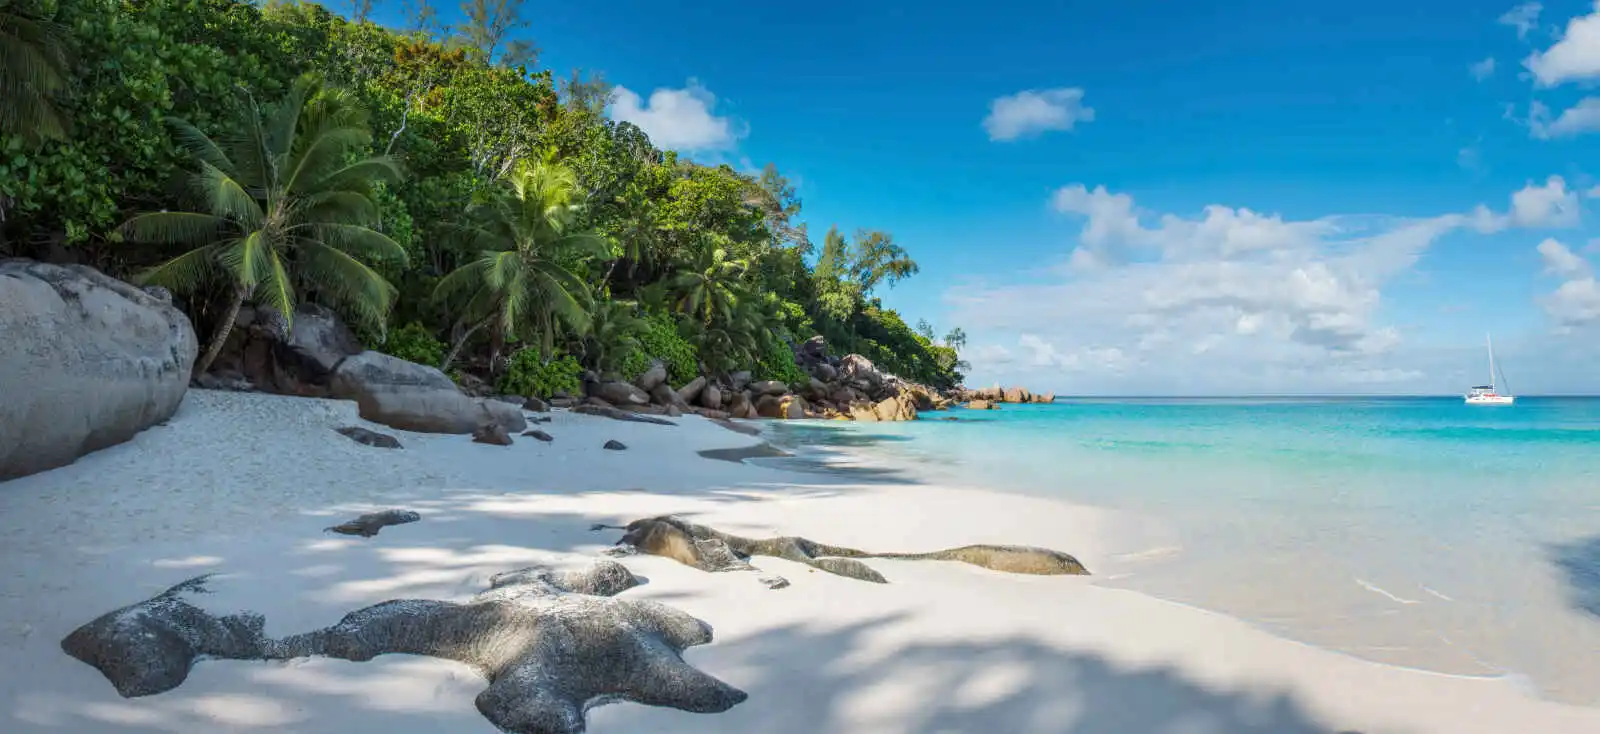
1412, 531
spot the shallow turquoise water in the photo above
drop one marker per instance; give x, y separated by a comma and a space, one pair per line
1415, 531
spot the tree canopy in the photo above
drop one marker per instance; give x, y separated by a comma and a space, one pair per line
435, 187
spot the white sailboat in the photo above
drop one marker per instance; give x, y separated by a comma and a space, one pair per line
1487, 394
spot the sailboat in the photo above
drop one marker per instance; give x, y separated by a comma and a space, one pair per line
1487, 394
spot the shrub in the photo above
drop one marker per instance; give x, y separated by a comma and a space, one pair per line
414, 343
531, 375
662, 341
777, 363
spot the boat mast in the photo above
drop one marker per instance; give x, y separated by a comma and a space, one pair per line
1490, 341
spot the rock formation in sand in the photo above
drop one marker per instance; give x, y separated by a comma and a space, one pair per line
369, 524
702, 547
550, 644
87, 362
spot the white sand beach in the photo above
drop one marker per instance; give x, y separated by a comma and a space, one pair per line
242, 485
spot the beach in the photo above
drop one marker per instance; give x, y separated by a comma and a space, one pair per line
243, 485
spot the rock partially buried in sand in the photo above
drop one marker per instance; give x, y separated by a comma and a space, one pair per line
680, 540
615, 445
539, 435
369, 524
149, 647
774, 582
619, 415
549, 650
493, 434
370, 438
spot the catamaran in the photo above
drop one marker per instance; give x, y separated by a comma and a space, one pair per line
1487, 394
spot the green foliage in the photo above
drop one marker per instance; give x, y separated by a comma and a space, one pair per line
414, 343
662, 340
530, 374
525, 218
777, 363
522, 283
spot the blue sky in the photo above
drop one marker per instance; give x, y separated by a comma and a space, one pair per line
1267, 197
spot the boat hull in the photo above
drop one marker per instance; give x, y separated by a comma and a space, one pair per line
1490, 400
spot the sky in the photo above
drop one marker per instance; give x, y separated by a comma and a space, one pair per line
1143, 197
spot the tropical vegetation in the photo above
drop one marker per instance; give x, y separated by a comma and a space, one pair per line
456, 203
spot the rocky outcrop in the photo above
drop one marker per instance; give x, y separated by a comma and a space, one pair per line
980, 405
367, 437
621, 393
686, 542
606, 411
369, 524
287, 357
88, 361
691, 392
551, 645
492, 434
652, 378
1014, 394
413, 397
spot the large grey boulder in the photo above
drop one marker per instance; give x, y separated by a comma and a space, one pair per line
656, 375
551, 644
688, 393
86, 362
414, 397
621, 393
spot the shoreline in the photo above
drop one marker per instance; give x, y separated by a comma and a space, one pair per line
1166, 559
943, 646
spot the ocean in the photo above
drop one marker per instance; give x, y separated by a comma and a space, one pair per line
1419, 532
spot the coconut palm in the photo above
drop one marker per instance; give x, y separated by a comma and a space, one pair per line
709, 289
522, 281
33, 67
284, 206
613, 334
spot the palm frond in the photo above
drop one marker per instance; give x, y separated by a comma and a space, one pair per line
275, 291
199, 144
358, 175
185, 273
226, 197
173, 228
315, 159
348, 281
246, 260
356, 240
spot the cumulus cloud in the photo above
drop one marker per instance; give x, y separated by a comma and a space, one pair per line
1483, 69
677, 119
1574, 57
1575, 303
1550, 205
1524, 18
1583, 117
1035, 111
1225, 299
1559, 260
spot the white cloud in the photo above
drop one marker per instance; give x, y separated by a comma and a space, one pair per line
1033, 112
1470, 158
1574, 57
1592, 193
1576, 302
988, 355
1524, 18
1578, 119
1483, 69
1226, 299
677, 119
1562, 261
1550, 205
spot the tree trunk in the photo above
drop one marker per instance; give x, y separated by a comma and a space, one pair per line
461, 341
220, 336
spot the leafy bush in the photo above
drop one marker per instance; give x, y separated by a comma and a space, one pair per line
414, 343
662, 341
531, 375
777, 363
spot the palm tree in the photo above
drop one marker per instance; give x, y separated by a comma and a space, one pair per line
284, 208
33, 67
613, 334
528, 238
711, 288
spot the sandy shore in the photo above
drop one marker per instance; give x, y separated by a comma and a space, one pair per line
243, 485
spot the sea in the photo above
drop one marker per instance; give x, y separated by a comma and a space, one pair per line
1419, 532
